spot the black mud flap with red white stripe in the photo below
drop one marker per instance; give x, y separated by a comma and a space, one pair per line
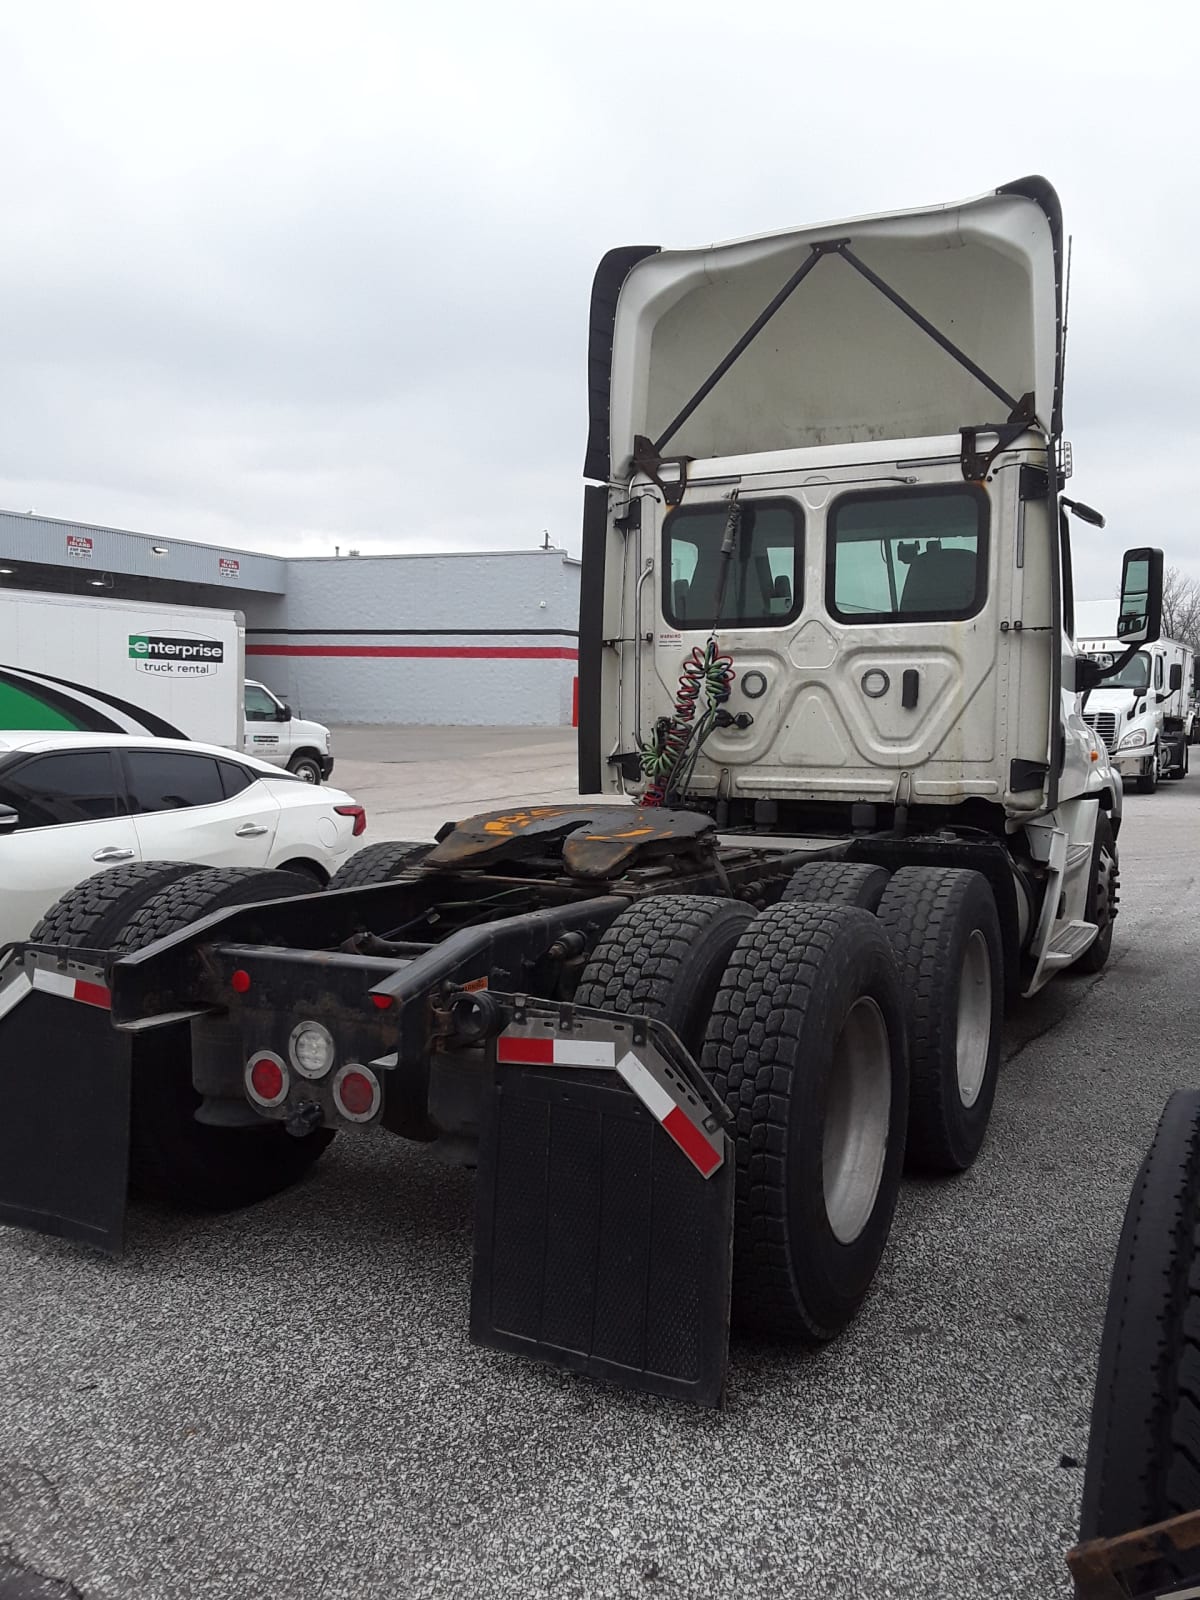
64, 1101
604, 1211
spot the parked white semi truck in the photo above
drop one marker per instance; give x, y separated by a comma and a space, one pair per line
691, 1036
99, 665
1144, 710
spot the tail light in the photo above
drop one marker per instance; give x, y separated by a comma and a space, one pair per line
311, 1049
266, 1078
356, 1093
359, 813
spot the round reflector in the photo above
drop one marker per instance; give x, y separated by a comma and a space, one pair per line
356, 1093
239, 981
311, 1049
266, 1078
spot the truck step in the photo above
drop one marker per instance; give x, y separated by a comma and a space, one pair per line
1069, 943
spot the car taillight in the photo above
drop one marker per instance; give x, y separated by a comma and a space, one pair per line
356, 1093
359, 813
266, 1078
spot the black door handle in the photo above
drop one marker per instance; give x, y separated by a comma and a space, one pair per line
908, 688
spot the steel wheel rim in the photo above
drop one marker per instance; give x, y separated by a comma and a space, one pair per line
857, 1114
1106, 891
308, 774
974, 1038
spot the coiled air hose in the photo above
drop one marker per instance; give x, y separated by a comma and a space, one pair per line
670, 757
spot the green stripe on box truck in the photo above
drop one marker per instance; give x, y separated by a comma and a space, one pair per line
21, 709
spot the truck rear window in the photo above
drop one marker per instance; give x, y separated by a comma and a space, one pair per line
763, 586
907, 556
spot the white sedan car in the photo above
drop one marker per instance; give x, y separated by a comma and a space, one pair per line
72, 804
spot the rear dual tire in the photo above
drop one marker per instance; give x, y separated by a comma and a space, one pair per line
796, 1017
173, 1157
945, 931
944, 928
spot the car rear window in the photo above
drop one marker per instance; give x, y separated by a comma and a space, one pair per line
235, 778
172, 780
69, 786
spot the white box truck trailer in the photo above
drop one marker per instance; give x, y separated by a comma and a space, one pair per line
70, 661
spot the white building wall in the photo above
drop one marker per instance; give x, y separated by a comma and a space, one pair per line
488, 639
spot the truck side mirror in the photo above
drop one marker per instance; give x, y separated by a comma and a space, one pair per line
8, 819
284, 714
1175, 681
1140, 618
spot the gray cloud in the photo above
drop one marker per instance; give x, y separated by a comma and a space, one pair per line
292, 276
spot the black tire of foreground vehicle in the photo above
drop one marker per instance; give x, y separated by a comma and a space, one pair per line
945, 930
377, 863
664, 958
806, 1044
88, 916
1143, 1461
173, 1157
1104, 893
838, 883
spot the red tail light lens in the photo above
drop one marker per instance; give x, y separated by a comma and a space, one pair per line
357, 1093
359, 813
266, 1079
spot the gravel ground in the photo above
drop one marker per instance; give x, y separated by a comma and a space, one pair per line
285, 1402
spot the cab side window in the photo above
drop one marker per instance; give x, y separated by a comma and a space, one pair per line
259, 705
69, 786
1158, 672
172, 780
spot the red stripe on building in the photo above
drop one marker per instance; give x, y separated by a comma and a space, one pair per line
526, 1052
691, 1141
422, 652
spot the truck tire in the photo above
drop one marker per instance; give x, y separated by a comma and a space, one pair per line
1147, 782
306, 767
664, 958
1179, 766
838, 883
87, 916
945, 930
1104, 895
377, 863
806, 1045
1143, 1464
173, 1157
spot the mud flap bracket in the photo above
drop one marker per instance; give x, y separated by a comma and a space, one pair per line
604, 1224
64, 1103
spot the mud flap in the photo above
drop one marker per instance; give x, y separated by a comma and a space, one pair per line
64, 1114
600, 1246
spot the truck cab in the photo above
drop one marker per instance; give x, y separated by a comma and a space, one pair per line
1142, 710
827, 566
274, 733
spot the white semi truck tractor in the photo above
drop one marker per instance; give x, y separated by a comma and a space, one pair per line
1143, 711
691, 1035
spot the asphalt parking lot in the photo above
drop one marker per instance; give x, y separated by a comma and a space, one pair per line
284, 1401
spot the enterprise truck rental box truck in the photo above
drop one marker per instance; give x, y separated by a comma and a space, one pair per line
181, 666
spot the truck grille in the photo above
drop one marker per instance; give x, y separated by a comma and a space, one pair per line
1105, 724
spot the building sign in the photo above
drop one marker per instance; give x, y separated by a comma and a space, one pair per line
79, 546
227, 567
183, 657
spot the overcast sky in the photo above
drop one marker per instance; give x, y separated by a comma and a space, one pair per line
292, 276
